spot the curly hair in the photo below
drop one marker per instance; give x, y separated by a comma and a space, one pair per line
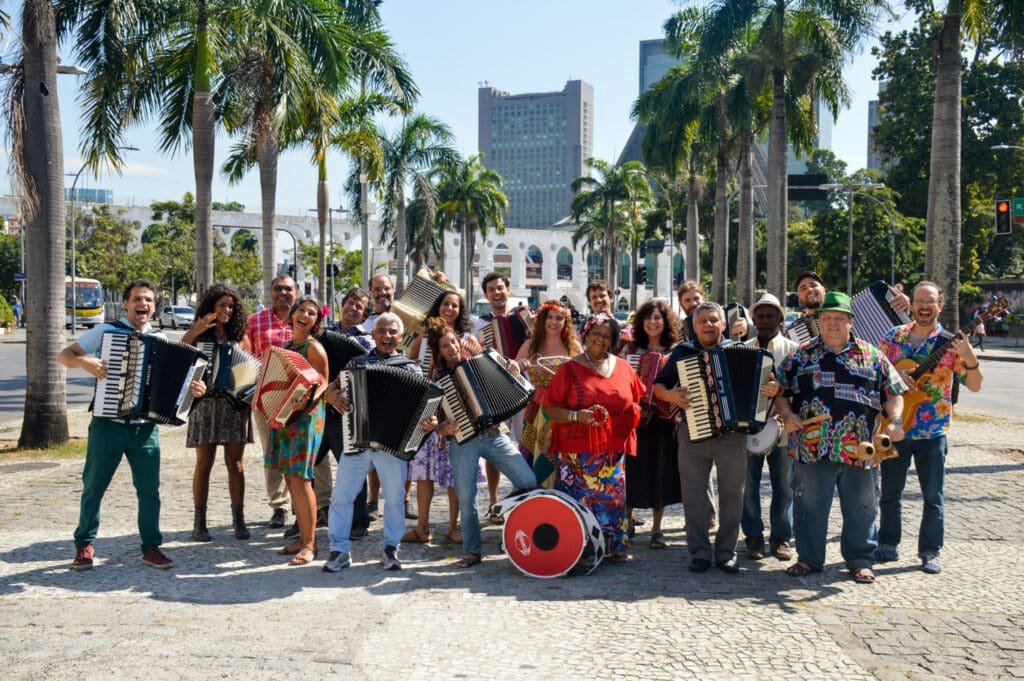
319, 312
669, 335
463, 323
236, 327
436, 329
568, 337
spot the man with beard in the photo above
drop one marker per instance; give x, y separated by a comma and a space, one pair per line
599, 295
110, 439
925, 440
353, 312
382, 291
690, 295
272, 327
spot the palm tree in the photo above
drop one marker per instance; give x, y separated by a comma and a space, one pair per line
420, 143
37, 156
470, 197
980, 19
802, 46
597, 195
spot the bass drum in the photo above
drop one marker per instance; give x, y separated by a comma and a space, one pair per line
763, 441
546, 532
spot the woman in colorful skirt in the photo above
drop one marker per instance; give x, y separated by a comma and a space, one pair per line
593, 403
552, 343
217, 418
292, 449
431, 465
652, 476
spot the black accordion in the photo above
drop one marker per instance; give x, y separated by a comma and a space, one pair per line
804, 329
147, 378
725, 390
873, 315
481, 392
233, 372
340, 349
386, 405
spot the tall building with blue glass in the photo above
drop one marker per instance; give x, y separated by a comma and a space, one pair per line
537, 142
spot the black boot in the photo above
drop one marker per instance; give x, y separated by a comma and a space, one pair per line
199, 531
238, 521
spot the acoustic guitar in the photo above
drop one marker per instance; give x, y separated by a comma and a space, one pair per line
922, 372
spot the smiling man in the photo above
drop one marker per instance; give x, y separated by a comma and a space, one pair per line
110, 439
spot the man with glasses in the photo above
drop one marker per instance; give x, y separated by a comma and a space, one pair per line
271, 327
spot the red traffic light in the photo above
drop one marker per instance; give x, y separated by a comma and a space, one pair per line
1003, 224
1002, 206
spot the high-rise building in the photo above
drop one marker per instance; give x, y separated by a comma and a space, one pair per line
874, 160
537, 142
654, 64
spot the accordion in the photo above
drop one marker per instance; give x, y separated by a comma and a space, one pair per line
803, 329
286, 386
724, 385
414, 303
647, 365
386, 405
481, 392
147, 378
341, 349
507, 333
233, 372
873, 313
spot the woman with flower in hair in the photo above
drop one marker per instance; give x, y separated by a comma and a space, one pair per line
552, 343
593, 403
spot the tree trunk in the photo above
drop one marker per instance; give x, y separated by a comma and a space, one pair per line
323, 207
692, 225
202, 156
266, 157
45, 422
942, 233
745, 246
609, 248
400, 243
720, 251
776, 246
465, 258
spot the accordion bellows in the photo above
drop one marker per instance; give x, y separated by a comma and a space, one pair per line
481, 392
233, 371
286, 386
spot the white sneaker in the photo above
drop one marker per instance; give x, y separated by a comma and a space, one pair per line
389, 558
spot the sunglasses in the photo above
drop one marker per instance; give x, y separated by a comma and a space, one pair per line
282, 289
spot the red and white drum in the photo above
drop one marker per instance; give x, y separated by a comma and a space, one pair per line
546, 532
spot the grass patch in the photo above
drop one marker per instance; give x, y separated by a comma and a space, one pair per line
72, 449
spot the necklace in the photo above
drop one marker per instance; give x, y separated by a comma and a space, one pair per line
604, 364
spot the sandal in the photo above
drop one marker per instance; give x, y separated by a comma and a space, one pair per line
454, 536
413, 536
291, 549
801, 568
862, 575
657, 540
306, 555
468, 560
495, 518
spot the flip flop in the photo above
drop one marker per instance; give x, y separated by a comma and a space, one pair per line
862, 576
657, 540
413, 536
454, 536
468, 561
801, 568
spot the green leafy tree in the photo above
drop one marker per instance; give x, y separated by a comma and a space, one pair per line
10, 263
103, 239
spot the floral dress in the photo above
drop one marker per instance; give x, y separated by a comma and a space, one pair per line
536, 436
292, 450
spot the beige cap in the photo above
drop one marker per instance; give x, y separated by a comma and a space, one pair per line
768, 299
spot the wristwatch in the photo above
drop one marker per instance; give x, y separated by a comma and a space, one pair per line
898, 421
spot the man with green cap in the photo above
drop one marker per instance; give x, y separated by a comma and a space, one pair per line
845, 382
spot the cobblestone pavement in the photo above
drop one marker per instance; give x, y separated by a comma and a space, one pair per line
232, 609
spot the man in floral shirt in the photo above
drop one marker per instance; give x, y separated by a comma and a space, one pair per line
848, 382
926, 428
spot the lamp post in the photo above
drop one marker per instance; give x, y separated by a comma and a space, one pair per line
852, 190
74, 272
364, 230
330, 250
1006, 147
226, 229
170, 268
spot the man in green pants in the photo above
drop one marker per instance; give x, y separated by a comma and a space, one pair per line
110, 439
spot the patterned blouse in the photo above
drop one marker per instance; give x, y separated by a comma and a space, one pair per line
934, 415
848, 386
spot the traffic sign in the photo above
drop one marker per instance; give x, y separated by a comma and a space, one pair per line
1017, 210
19, 276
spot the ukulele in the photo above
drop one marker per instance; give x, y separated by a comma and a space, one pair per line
922, 372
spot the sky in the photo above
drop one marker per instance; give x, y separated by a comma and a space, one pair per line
452, 47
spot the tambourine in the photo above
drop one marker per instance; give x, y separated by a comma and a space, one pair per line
763, 441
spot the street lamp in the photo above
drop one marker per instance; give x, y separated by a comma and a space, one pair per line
226, 229
1005, 147
74, 272
330, 250
852, 190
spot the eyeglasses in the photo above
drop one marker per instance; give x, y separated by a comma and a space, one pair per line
281, 289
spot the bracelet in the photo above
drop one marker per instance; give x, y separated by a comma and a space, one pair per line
973, 368
574, 417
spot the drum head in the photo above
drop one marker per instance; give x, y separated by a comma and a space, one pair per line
544, 535
762, 442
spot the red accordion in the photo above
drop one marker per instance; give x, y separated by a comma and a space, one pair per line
286, 386
507, 333
647, 366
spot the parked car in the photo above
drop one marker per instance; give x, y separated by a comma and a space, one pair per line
176, 316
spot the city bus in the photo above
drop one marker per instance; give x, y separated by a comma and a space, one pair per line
88, 301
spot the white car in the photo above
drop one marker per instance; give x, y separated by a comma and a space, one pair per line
176, 316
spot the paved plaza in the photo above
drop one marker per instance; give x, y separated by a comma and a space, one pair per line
233, 609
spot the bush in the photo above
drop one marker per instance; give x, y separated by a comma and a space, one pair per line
6, 314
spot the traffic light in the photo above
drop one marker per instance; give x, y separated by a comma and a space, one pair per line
641, 274
1004, 224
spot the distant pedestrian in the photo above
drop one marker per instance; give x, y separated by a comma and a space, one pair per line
18, 310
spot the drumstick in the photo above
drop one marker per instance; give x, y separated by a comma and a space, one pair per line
806, 423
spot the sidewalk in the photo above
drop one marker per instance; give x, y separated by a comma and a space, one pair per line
235, 610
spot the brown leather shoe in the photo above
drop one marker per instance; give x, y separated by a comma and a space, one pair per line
83, 558
782, 550
155, 558
755, 547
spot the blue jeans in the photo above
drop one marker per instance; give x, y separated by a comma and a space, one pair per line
352, 470
815, 488
503, 455
780, 514
930, 461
